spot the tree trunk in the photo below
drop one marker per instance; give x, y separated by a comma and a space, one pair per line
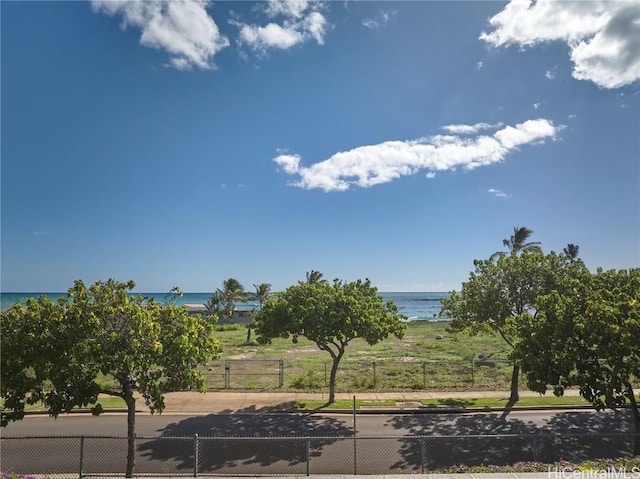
332, 377
636, 419
515, 375
131, 429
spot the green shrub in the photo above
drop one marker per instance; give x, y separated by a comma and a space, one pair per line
309, 380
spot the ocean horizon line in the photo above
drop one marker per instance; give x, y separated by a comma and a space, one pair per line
203, 292
413, 304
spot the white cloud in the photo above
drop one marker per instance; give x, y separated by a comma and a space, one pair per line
603, 36
470, 129
381, 21
299, 21
498, 193
551, 73
537, 105
181, 27
430, 175
288, 8
371, 23
479, 65
269, 36
370, 165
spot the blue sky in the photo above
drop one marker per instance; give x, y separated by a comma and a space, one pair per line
184, 143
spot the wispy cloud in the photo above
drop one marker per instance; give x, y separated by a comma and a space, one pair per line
380, 21
551, 73
182, 28
295, 22
537, 105
603, 37
479, 65
371, 165
498, 193
470, 129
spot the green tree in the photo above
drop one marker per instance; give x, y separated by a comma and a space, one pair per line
261, 294
314, 276
214, 307
147, 349
518, 242
232, 292
330, 315
499, 295
588, 337
572, 251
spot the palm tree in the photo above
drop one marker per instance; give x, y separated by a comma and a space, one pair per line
518, 242
214, 307
571, 250
314, 276
232, 291
262, 291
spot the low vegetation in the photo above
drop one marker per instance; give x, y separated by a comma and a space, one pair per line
428, 357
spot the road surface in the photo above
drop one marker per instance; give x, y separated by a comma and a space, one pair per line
278, 444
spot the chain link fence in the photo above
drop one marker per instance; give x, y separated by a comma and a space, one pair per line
93, 456
359, 375
245, 374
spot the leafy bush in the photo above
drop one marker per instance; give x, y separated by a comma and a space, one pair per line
229, 327
13, 475
629, 464
310, 380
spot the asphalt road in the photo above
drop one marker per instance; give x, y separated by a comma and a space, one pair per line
278, 444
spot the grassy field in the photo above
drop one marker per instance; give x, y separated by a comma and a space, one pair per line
427, 358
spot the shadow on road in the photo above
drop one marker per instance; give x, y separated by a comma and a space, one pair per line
229, 439
572, 436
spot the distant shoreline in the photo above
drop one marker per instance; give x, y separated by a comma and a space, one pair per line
415, 305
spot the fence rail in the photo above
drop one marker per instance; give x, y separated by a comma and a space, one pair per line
359, 375
90, 456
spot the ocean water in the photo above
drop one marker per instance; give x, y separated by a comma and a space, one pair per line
416, 306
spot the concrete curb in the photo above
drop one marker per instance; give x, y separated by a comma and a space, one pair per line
372, 411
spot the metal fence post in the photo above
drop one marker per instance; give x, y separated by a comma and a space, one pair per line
81, 472
281, 371
472, 373
308, 453
422, 454
195, 455
355, 440
227, 374
424, 375
374, 375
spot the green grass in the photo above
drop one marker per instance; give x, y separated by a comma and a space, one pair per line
487, 402
107, 403
493, 402
418, 361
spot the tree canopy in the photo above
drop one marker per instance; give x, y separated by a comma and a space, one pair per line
261, 294
587, 336
314, 276
54, 352
232, 292
517, 242
330, 315
500, 294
